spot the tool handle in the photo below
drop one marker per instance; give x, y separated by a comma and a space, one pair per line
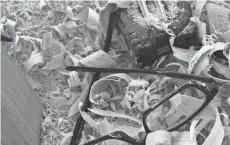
6, 38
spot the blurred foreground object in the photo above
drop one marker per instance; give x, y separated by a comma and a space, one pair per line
6, 38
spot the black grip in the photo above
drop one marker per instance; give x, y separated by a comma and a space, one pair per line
146, 43
6, 38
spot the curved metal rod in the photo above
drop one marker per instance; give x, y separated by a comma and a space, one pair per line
209, 95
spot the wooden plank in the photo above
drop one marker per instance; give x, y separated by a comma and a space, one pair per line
11, 134
24, 102
17, 117
21, 108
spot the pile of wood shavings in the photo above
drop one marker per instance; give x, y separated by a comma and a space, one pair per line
56, 128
